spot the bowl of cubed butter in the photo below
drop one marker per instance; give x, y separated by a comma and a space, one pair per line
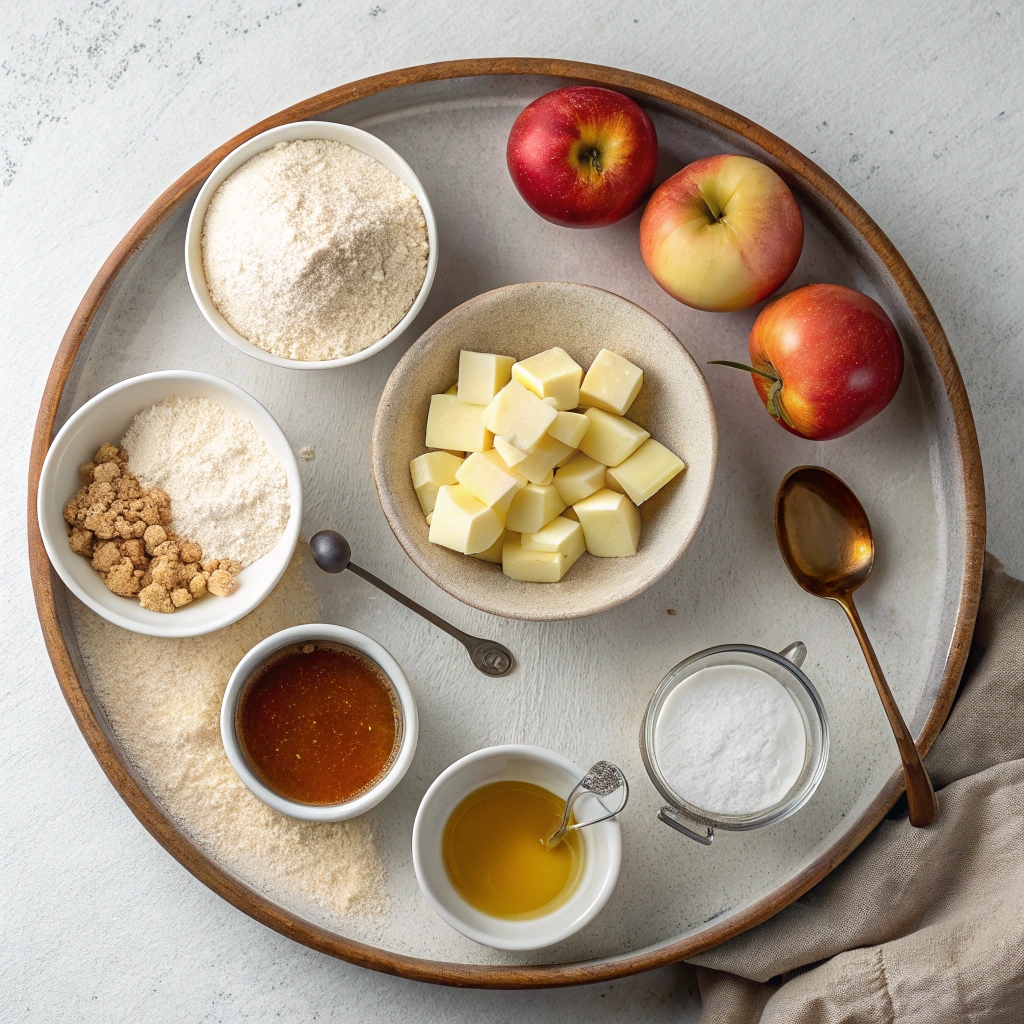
545, 451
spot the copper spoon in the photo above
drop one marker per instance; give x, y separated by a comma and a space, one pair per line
333, 554
825, 539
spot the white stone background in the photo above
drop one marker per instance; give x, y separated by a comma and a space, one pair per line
915, 107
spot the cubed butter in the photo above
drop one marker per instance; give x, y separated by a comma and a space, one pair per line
551, 374
512, 455
569, 428
430, 517
611, 524
455, 425
538, 465
533, 508
517, 415
493, 553
519, 563
463, 523
488, 479
569, 513
453, 390
579, 478
611, 439
611, 383
431, 472
482, 375
562, 536
645, 472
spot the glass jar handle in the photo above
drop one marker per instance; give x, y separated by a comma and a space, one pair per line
670, 815
795, 652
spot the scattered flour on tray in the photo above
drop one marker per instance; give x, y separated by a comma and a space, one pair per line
313, 250
228, 491
162, 698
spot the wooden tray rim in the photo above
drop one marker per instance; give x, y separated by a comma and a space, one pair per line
183, 849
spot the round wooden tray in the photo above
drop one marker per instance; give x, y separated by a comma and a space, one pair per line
932, 407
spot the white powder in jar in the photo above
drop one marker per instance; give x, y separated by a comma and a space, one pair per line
228, 490
730, 739
313, 250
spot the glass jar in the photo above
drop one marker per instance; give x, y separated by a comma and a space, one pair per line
784, 667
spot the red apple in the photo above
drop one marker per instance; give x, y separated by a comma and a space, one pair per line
825, 360
722, 234
583, 157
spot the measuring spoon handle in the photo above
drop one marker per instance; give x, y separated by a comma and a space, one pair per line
920, 795
489, 656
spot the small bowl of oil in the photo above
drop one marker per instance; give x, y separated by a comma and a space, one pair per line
479, 854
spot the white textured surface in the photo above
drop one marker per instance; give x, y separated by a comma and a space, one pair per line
917, 112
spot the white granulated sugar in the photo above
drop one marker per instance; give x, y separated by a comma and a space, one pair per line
313, 250
162, 698
228, 490
730, 739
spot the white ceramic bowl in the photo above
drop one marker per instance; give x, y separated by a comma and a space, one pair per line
602, 845
106, 418
357, 139
387, 664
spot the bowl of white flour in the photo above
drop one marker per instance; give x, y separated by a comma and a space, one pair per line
311, 246
227, 468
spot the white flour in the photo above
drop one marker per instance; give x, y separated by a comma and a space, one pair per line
228, 491
730, 739
313, 250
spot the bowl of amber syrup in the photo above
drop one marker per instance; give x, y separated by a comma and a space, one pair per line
480, 856
319, 722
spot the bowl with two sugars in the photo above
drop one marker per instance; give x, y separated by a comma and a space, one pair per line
105, 419
674, 405
319, 722
596, 858
311, 246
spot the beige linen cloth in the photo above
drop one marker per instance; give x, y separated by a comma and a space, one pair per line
917, 926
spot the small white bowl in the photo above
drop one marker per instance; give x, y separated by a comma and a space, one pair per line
357, 139
602, 846
387, 664
106, 418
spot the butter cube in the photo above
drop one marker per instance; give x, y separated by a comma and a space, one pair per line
538, 465
431, 472
430, 517
579, 479
611, 524
533, 508
519, 563
611, 439
570, 513
611, 383
569, 428
562, 536
548, 478
488, 479
455, 425
645, 472
493, 553
512, 455
551, 374
453, 390
517, 415
463, 523
482, 375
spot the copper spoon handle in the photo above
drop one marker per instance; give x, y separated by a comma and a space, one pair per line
920, 795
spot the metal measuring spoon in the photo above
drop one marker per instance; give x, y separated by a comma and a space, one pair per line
603, 779
334, 554
825, 538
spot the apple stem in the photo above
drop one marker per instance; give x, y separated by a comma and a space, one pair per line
772, 403
743, 366
593, 157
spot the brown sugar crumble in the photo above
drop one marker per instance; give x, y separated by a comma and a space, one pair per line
126, 530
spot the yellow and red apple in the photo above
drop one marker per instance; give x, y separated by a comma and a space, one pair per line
582, 156
722, 234
824, 360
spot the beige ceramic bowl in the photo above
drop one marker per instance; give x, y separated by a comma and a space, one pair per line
520, 320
